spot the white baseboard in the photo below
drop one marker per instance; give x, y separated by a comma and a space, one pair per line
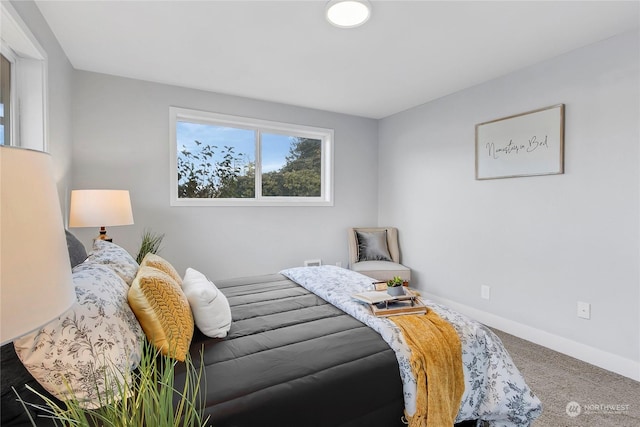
605, 360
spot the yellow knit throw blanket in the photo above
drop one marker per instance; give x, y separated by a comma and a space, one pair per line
436, 361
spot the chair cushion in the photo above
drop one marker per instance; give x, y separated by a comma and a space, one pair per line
382, 270
372, 246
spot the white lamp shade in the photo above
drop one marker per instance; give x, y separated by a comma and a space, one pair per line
35, 272
100, 208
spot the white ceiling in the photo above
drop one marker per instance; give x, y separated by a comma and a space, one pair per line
410, 52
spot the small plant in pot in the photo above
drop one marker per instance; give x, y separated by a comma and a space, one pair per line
394, 286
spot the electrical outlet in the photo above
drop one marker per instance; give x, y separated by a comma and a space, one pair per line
338, 263
313, 263
485, 292
584, 310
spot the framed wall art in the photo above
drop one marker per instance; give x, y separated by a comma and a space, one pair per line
526, 144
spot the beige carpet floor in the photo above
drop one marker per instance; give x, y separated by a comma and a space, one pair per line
603, 399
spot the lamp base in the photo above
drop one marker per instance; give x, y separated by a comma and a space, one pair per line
103, 235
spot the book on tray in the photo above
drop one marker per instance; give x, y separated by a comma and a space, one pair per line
373, 297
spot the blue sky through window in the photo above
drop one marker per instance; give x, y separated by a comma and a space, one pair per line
275, 147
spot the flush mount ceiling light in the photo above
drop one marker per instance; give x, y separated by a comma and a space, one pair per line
348, 13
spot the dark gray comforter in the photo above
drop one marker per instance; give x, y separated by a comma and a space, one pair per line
292, 359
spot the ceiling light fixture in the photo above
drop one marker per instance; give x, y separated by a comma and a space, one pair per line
348, 13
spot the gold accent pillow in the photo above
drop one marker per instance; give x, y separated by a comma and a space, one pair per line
155, 261
163, 311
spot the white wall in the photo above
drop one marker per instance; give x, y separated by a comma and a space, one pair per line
540, 243
121, 140
59, 95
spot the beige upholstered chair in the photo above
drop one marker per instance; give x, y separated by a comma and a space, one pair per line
377, 269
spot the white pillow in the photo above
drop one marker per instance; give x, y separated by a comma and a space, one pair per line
211, 311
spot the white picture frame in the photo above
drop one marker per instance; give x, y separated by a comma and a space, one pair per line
527, 144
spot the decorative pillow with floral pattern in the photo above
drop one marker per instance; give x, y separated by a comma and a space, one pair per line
115, 257
98, 338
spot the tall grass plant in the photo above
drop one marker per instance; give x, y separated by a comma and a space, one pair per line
147, 397
151, 242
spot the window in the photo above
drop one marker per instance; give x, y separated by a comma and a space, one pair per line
23, 77
226, 160
5, 101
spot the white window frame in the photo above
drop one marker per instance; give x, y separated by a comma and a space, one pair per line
177, 114
13, 104
29, 106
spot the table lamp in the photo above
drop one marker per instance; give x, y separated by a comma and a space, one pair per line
35, 272
100, 208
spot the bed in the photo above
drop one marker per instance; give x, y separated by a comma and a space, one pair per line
301, 352
293, 358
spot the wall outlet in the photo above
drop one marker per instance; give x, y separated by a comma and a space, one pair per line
584, 310
485, 292
338, 263
313, 263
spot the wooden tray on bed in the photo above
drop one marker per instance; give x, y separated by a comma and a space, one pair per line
382, 304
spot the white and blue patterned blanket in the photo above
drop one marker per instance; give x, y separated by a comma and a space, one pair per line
495, 391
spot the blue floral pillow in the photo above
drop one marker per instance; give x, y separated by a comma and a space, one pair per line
97, 338
116, 258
